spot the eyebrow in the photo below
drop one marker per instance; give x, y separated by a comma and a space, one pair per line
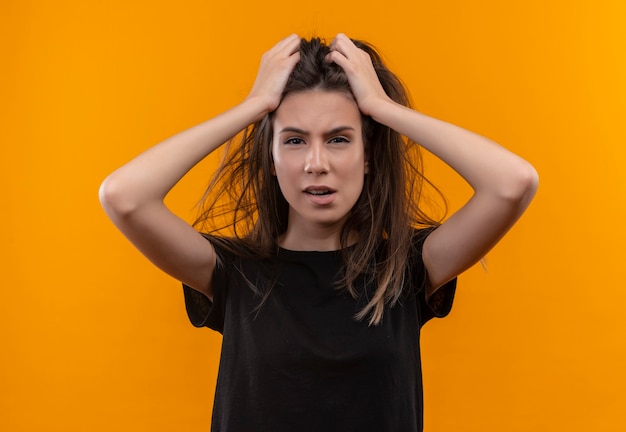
303, 132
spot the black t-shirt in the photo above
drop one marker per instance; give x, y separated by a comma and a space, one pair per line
302, 362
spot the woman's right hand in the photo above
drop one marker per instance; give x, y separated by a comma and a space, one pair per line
276, 66
133, 195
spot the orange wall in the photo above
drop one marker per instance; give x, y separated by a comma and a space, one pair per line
94, 338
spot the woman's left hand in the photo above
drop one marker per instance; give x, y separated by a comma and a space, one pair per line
357, 64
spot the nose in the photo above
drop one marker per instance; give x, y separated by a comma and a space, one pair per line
316, 159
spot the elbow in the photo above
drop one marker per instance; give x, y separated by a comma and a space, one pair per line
114, 198
530, 182
522, 185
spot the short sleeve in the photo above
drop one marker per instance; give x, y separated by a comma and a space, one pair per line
440, 303
201, 311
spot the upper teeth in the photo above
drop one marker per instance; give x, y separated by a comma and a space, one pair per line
318, 192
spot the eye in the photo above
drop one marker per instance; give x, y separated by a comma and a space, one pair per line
339, 140
294, 140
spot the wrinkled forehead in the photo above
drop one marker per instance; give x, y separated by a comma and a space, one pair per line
313, 108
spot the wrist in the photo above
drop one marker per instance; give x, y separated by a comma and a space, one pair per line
256, 107
382, 109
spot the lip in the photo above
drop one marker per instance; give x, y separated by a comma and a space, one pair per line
319, 188
320, 199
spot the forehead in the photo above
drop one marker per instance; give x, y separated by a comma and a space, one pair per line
313, 109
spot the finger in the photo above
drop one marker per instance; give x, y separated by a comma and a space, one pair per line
294, 45
295, 58
337, 38
339, 59
289, 39
286, 42
290, 48
343, 44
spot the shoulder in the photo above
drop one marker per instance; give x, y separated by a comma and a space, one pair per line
230, 249
238, 262
418, 238
420, 234
415, 268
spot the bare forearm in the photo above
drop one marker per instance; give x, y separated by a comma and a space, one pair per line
485, 165
150, 176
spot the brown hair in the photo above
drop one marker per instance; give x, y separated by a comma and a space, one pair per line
246, 212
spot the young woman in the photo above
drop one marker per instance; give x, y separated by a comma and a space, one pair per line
330, 267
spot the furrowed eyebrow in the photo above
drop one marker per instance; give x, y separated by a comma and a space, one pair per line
339, 129
333, 131
294, 129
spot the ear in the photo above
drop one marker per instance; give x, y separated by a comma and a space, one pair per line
366, 167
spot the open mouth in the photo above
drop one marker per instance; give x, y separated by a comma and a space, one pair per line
319, 192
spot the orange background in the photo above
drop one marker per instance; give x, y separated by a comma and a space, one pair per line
94, 338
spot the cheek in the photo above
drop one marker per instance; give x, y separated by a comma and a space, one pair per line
285, 163
356, 163
282, 173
